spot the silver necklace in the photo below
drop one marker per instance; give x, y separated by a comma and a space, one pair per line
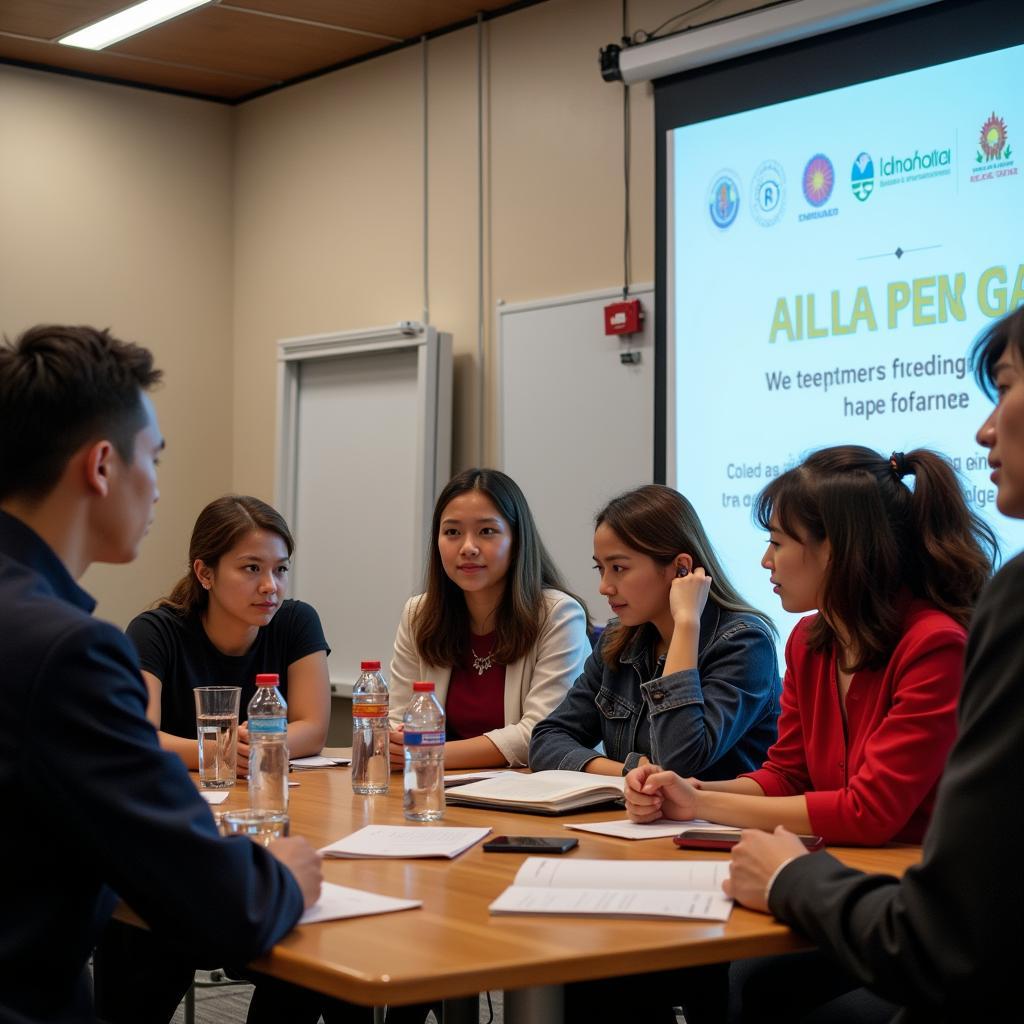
482, 664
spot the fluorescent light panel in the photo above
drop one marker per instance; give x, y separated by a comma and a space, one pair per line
129, 22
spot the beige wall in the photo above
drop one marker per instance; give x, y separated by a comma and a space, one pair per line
115, 210
328, 188
209, 232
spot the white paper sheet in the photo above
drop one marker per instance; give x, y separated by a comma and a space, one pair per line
578, 873
339, 901
704, 906
405, 841
319, 761
463, 778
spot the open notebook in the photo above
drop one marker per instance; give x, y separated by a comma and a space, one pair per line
553, 792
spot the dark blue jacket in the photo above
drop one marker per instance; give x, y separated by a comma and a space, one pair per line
93, 806
714, 722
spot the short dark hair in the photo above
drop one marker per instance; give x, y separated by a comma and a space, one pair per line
992, 343
59, 388
886, 538
220, 526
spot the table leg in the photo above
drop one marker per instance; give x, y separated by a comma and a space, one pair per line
540, 1005
464, 1010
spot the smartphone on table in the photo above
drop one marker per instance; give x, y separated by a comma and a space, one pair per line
530, 844
717, 839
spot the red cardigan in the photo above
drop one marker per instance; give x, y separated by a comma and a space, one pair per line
879, 784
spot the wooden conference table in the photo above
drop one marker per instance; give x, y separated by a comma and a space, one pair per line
452, 946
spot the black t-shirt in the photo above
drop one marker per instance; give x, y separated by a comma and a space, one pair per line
175, 648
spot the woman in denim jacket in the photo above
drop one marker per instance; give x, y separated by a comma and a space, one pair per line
687, 676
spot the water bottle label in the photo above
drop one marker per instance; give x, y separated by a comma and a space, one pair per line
369, 710
423, 739
267, 725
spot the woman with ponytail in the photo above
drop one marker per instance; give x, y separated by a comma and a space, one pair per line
226, 620
872, 680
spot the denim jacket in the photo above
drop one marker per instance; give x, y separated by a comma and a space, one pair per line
715, 721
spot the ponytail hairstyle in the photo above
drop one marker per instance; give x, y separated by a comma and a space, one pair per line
441, 621
660, 523
992, 343
220, 526
885, 538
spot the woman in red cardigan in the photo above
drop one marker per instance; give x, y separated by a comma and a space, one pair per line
872, 679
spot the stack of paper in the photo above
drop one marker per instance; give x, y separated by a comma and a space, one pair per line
617, 888
405, 841
554, 792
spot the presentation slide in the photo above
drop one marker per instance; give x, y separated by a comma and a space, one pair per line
831, 259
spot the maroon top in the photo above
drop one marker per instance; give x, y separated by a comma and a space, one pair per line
475, 702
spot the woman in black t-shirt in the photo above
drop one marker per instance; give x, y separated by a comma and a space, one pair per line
227, 620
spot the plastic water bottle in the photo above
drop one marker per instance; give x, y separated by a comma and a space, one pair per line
268, 746
424, 756
371, 766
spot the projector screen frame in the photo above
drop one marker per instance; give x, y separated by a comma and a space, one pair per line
898, 43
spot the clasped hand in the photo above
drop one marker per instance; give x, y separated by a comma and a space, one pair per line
652, 793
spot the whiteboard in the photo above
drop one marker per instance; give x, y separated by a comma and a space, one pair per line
576, 424
364, 450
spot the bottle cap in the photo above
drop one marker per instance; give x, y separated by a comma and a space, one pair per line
423, 687
369, 666
268, 679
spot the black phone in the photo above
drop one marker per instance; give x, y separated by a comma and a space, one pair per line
530, 844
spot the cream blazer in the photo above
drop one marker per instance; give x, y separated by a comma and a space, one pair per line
534, 685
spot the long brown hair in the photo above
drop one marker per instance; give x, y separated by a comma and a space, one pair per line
885, 537
660, 523
220, 526
441, 623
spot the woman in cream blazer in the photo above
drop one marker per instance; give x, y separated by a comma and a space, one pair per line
495, 630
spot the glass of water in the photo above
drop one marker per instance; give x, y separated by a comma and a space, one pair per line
217, 731
261, 827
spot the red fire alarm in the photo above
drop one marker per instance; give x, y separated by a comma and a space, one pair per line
623, 317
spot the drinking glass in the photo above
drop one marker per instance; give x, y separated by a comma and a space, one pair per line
217, 730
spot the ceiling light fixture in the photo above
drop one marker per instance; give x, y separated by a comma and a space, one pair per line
129, 22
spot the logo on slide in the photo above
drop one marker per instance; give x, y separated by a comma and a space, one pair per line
862, 178
819, 177
993, 140
768, 193
724, 199
994, 159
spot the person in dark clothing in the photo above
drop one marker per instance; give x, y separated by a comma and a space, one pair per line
942, 942
80, 766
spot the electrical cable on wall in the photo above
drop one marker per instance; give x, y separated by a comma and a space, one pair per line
481, 325
426, 194
641, 36
626, 149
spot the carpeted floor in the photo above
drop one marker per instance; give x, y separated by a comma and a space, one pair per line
227, 1004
